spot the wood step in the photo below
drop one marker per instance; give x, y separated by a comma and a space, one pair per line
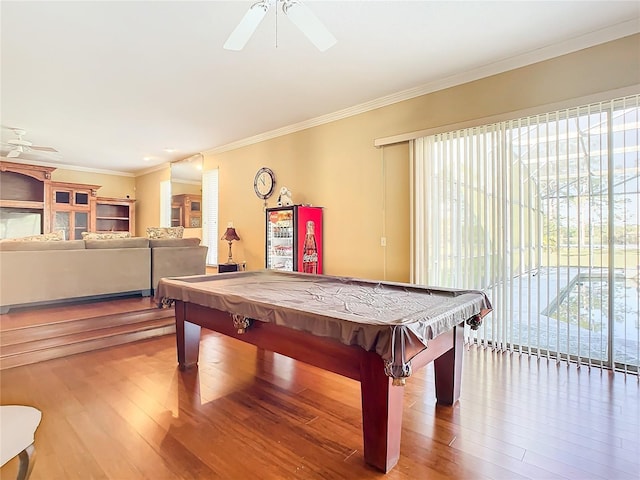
60, 328
36, 343
78, 337
26, 358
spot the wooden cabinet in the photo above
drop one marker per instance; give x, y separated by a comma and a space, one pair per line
25, 191
176, 215
72, 208
186, 210
28, 190
114, 215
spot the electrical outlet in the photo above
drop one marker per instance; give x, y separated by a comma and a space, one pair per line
383, 241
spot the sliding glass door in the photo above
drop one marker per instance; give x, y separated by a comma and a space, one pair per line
543, 214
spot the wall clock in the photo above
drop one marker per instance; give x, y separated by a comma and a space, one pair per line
264, 183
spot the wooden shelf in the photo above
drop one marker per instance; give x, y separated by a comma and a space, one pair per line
21, 204
114, 215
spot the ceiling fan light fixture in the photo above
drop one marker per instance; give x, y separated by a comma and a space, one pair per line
18, 142
249, 23
19, 145
309, 24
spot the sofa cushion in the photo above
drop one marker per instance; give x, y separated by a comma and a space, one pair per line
174, 242
104, 235
134, 242
45, 237
165, 232
14, 246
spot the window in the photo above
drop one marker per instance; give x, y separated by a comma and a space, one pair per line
543, 214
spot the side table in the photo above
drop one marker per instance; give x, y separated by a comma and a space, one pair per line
18, 424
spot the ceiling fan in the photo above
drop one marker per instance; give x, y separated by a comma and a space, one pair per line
301, 16
19, 145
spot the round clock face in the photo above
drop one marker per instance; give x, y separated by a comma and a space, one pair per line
265, 183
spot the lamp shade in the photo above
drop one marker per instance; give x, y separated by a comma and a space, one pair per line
230, 235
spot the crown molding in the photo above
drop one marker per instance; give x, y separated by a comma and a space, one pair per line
581, 42
155, 168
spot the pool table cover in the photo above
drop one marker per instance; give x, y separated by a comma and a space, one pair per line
395, 320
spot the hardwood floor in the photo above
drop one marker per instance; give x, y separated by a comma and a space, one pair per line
127, 412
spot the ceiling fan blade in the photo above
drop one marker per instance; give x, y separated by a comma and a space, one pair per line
249, 23
13, 154
44, 149
309, 24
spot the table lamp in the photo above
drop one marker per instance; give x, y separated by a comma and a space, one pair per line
229, 236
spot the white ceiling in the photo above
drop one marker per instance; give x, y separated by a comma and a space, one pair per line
110, 83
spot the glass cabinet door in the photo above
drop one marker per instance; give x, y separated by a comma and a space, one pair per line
63, 222
280, 240
80, 224
72, 223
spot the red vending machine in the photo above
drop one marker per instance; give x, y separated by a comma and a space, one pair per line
294, 239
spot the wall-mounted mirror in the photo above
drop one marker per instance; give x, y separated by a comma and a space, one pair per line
186, 195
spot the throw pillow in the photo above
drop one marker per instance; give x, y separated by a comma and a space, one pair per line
165, 232
12, 246
45, 237
104, 235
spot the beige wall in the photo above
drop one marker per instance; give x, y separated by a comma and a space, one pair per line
148, 199
114, 186
365, 190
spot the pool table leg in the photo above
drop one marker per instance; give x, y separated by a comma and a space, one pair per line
187, 338
381, 413
448, 370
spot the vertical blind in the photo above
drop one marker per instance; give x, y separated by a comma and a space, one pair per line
541, 213
210, 214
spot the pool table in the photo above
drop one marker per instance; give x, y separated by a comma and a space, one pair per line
377, 333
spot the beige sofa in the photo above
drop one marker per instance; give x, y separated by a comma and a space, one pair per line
33, 273
176, 257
